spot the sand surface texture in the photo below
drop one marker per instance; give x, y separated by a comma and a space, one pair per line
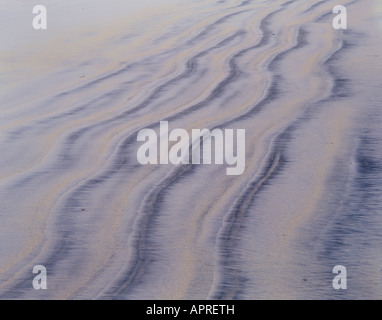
74, 198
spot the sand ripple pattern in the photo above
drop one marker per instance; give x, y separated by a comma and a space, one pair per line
75, 199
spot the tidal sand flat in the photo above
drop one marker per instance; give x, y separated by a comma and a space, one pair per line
77, 198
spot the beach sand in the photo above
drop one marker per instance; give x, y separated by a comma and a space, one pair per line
75, 199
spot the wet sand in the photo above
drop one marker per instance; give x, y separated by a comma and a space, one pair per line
74, 198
